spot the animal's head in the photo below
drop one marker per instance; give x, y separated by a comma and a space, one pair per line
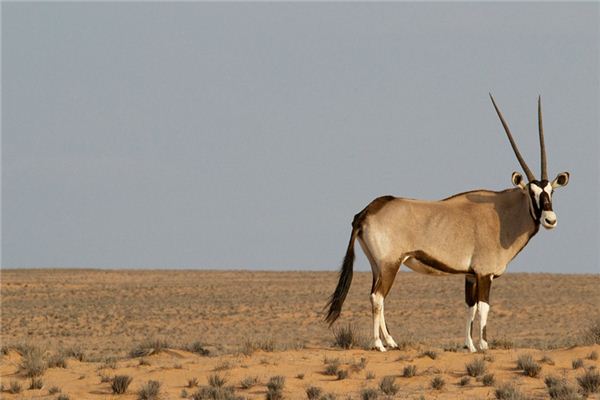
540, 190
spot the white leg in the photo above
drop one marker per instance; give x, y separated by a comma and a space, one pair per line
377, 304
471, 311
389, 340
483, 309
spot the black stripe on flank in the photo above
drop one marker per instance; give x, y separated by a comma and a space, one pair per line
432, 262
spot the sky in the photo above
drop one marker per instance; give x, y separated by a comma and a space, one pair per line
247, 135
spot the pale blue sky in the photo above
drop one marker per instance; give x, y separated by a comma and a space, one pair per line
239, 135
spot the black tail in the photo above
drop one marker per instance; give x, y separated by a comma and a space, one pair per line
337, 298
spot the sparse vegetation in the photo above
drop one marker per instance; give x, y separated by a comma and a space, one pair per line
192, 382
275, 387
429, 353
409, 371
36, 383
388, 385
54, 390
15, 387
184, 394
502, 343
120, 383
360, 365
332, 366
438, 382
592, 334
75, 352
32, 362
547, 360
368, 394
63, 396
370, 375
216, 380
464, 381
149, 391
109, 362
342, 374
593, 356
577, 363
488, 380
149, 347
528, 365
198, 348
508, 392
313, 392
559, 389
475, 368
58, 360
348, 337
589, 382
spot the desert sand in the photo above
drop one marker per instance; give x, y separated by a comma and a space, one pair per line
255, 325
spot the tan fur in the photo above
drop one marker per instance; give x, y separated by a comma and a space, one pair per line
476, 232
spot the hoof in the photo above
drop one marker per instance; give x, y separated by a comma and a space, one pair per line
391, 343
483, 345
378, 345
470, 347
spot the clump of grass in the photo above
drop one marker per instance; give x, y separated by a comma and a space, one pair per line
332, 366
342, 374
547, 360
15, 387
313, 392
58, 360
63, 397
577, 363
464, 381
198, 348
370, 375
184, 394
502, 343
225, 365
592, 334
528, 365
216, 380
438, 382
388, 385
275, 387
559, 389
149, 391
488, 380
347, 337
249, 382
475, 368
592, 356
33, 363
589, 382
192, 382
368, 394
120, 383
149, 347
75, 352
429, 353
215, 393
508, 392
267, 345
409, 371
54, 390
36, 383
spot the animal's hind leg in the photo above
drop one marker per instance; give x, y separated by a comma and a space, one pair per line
388, 275
471, 300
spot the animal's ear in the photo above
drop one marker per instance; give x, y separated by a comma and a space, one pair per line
561, 180
517, 180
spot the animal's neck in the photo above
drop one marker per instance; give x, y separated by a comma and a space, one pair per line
515, 211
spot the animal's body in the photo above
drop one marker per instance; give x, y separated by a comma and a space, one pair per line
473, 233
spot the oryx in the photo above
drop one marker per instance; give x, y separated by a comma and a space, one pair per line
475, 233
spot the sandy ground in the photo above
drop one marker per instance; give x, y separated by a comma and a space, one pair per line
107, 313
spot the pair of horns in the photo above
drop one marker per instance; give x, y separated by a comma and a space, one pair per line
526, 169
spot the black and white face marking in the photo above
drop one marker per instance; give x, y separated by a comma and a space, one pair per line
541, 200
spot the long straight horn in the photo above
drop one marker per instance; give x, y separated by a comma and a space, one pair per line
542, 145
526, 169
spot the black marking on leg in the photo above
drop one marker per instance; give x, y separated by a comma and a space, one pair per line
484, 285
470, 290
471, 330
484, 333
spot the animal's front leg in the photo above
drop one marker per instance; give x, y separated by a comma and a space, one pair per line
484, 285
471, 300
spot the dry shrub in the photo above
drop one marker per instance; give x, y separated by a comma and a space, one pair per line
120, 383
332, 366
475, 368
559, 389
592, 334
368, 394
149, 347
15, 387
36, 383
409, 371
33, 363
388, 385
149, 391
429, 353
54, 390
216, 380
58, 360
589, 382
348, 337
502, 343
249, 382
192, 382
197, 347
275, 387
438, 383
508, 392
577, 363
464, 381
75, 352
488, 380
342, 374
313, 392
528, 365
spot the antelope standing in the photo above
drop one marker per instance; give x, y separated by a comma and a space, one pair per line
474, 233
